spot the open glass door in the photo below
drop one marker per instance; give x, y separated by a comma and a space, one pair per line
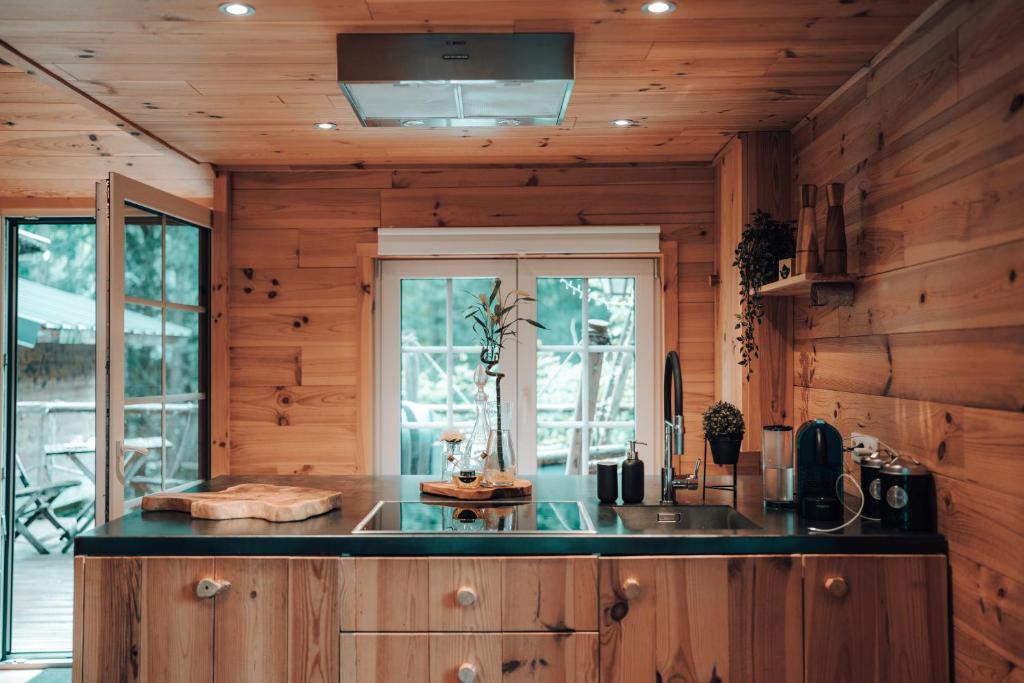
152, 342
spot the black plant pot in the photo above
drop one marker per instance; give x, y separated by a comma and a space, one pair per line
725, 450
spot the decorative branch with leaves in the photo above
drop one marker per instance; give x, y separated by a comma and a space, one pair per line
495, 319
764, 242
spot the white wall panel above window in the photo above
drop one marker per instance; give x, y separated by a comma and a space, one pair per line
574, 240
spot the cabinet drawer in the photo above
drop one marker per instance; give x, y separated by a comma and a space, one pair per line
421, 657
452, 594
469, 657
385, 594
549, 658
549, 594
385, 657
465, 594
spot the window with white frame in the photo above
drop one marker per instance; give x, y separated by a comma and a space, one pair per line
583, 387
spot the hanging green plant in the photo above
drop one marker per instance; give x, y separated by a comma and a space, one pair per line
765, 241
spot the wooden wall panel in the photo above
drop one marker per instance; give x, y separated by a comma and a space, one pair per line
752, 173
930, 143
299, 321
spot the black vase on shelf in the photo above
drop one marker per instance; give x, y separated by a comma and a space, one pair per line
725, 450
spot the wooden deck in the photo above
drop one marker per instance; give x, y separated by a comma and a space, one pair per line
43, 595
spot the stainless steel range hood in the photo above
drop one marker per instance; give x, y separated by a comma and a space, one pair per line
431, 80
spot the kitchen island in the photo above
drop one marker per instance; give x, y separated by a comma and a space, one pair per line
171, 598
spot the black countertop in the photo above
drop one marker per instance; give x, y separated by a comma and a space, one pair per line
175, 533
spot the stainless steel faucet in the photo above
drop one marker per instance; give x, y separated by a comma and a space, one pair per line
674, 433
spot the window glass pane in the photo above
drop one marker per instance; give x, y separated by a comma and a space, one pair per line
553, 447
610, 383
464, 364
424, 388
608, 444
142, 351
612, 386
183, 278
182, 352
613, 300
424, 302
182, 464
464, 293
421, 450
142, 428
560, 310
143, 254
558, 386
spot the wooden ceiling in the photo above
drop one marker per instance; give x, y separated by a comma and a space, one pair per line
239, 91
53, 149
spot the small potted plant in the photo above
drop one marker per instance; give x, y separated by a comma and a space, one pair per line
723, 428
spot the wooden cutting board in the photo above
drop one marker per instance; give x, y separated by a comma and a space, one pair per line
262, 501
520, 489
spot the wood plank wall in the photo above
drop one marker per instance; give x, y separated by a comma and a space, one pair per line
294, 291
752, 172
930, 144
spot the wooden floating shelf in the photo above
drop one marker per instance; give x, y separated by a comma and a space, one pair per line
823, 289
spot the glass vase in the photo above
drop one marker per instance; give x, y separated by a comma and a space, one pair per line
500, 463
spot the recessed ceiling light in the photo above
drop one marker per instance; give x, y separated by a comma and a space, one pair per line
659, 7
237, 9
413, 123
624, 123
325, 125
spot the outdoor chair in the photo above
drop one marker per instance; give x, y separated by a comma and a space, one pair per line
37, 502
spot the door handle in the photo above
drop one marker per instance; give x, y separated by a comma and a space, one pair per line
208, 588
122, 451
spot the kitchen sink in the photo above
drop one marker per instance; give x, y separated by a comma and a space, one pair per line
681, 518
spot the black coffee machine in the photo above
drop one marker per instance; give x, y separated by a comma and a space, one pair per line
819, 463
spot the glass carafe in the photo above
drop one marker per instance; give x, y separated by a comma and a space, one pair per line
777, 470
476, 444
500, 463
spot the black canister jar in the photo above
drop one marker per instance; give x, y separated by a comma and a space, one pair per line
871, 485
908, 496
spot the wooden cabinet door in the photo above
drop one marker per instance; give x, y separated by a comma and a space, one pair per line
252, 620
314, 620
142, 622
700, 619
875, 618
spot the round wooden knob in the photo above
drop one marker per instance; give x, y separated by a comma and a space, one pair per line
837, 586
466, 596
631, 589
467, 673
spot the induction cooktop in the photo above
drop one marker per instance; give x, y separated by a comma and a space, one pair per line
458, 517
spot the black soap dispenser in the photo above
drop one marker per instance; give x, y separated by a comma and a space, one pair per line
633, 475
